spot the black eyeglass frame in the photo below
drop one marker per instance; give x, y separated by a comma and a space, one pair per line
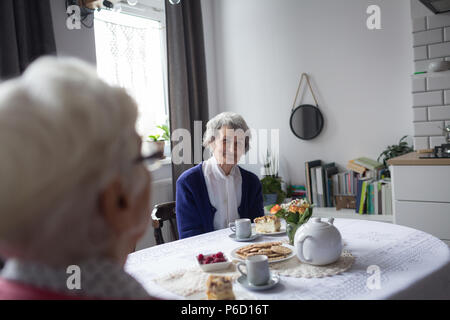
152, 157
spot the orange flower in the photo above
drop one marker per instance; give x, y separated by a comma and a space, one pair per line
298, 209
275, 209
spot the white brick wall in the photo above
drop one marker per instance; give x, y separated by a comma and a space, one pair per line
420, 114
428, 37
423, 99
431, 92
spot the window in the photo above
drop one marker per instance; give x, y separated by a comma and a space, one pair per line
130, 49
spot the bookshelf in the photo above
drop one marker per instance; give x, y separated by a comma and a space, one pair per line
331, 212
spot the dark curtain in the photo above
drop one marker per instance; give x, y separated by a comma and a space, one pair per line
188, 96
26, 32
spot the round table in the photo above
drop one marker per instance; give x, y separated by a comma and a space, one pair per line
408, 264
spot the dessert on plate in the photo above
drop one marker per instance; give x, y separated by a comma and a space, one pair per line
219, 288
267, 224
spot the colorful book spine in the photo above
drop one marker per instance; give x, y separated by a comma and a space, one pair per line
358, 195
362, 201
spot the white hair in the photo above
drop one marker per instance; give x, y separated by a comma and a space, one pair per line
229, 119
64, 135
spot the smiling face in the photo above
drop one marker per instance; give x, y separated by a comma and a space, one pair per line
228, 146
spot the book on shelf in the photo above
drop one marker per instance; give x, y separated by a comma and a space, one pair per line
376, 197
387, 198
383, 198
368, 163
370, 198
308, 166
351, 165
329, 169
320, 187
361, 195
314, 196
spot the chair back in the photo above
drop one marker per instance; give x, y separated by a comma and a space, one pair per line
164, 212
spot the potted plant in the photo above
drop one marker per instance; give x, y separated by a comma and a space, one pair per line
295, 213
160, 140
271, 182
394, 151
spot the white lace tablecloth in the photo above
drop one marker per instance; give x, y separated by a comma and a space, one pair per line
411, 264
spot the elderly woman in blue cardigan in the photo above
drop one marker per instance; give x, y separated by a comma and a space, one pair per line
217, 191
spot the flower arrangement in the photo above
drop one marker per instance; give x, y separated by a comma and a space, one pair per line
295, 213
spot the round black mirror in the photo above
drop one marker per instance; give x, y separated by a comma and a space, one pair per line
306, 121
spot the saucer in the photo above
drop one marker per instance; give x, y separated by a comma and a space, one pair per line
274, 280
252, 237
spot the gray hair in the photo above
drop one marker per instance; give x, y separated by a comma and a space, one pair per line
228, 119
64, 135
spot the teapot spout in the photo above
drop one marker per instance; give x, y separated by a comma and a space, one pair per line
330, 220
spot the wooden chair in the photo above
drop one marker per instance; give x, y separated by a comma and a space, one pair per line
164, 212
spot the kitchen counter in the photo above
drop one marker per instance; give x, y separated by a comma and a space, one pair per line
412, 159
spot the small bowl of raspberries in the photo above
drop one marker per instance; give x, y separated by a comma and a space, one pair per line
212, 261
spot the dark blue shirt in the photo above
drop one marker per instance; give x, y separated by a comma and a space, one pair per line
195, 214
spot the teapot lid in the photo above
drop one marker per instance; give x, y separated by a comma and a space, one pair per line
317, 223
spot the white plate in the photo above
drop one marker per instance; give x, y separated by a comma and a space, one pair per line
236, 257
274, 280
282, 231
252, 237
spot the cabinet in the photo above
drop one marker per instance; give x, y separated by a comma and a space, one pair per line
421, 193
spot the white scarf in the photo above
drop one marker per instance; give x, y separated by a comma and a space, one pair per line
225, 192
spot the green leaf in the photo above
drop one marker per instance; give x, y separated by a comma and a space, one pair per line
293, 218
154, 137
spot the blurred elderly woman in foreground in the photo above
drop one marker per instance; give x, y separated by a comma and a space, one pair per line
74, 199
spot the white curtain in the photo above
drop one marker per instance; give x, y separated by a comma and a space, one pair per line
129, 54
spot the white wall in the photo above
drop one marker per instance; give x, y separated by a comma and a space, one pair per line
75, 43
361, 77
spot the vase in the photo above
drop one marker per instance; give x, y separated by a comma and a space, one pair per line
291, 229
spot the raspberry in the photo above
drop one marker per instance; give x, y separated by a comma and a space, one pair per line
219, 255
200, 257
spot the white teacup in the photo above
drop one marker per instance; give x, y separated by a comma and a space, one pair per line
242, 228
258, 272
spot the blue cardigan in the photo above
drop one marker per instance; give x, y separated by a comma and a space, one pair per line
195, 213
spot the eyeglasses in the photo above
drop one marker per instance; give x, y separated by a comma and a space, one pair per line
151, 160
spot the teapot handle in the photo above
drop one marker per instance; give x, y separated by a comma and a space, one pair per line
300, 248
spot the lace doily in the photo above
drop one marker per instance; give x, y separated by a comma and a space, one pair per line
294, 268
191, 283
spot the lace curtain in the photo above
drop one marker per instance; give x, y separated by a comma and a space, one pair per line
129, 54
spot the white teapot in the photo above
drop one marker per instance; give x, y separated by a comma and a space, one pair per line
318, 242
